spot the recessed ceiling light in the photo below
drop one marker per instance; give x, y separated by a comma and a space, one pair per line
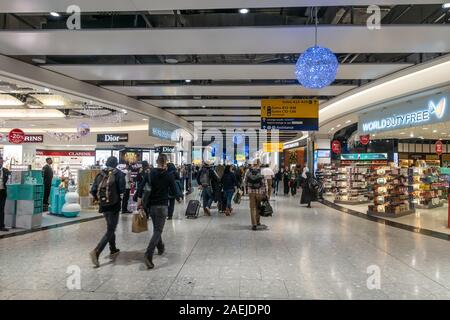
46, 89
332, 129
348, 121
446, 5
171, 60
124, 111
443, 132
203, 107
411, 135
145, 119
39, 60
243, 11
187, 81
402, 133
424, 128
54, 14
338, 125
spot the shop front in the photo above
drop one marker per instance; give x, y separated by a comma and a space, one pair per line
294, 154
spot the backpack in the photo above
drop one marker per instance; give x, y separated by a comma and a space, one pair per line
255, 179
204, 178
147, 190
107, 191
313, 184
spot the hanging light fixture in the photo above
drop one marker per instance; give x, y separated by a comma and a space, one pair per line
317, 67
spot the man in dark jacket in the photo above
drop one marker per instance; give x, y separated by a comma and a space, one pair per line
47, 173
162, 182
4, 174
207, 180
107, 189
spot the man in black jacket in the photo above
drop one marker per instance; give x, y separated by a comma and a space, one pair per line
47, 173
107, 189
4, 174
161, 183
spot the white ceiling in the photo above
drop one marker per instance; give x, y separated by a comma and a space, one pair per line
229, 90
231, 40
145, 5
187, 103
214, 72
216, 112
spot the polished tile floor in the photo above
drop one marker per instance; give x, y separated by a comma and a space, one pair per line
317, 253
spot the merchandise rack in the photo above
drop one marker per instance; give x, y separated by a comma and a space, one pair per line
329, 184
428, 190
351, 186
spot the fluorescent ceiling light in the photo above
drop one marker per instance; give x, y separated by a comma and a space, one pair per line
434, 131
54, 14
31, 113
424, 128
46, 89
243, 11
187, 81
124, 111
9, 100
51, 100
338, 126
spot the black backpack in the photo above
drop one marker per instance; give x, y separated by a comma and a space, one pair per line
107, 191
255, 179
313, 184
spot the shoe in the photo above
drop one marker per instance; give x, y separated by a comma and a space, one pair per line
254, 228
308, 206
207, 212
169, 218
258, 224
162, 249
148, 262
4, 229
114, 253
227, 212
94, 258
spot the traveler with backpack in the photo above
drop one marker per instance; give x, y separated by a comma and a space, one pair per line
172, 170
206, 178
257, 192
107, 189
309, 189
161, 183
229, 183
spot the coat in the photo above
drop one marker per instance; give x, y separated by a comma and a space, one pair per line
308, 195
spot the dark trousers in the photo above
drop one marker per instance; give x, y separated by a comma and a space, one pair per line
2, 207
47, 188
171, 208
159, 216
126, 198
112, 218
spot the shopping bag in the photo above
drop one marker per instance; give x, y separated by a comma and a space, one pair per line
237, 197
265, 209
139, 222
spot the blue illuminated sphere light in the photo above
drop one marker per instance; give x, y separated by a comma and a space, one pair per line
316, 68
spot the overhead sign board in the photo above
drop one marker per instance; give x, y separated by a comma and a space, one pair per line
419, 112
273, 147
112, 137
364, 156
161, 129
165, 149
285, 114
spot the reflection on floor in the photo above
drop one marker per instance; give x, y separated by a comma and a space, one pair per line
305, 254
52, 220
432, 219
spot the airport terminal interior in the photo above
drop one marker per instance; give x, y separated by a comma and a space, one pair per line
224, 150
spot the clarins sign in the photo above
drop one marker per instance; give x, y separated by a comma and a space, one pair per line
417, 113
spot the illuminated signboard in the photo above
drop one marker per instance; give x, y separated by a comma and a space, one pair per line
419, 112
364, 156
161, 129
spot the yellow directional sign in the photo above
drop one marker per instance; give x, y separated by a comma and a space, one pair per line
281, 108
273, 147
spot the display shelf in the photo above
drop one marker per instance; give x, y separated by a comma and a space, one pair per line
351, 185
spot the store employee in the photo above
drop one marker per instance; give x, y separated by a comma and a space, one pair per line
4, 173
47, 173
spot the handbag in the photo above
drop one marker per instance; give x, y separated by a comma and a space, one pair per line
139, 222
237, 197
265, 209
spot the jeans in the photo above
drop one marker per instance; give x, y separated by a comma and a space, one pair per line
126, 198
208, 197
159, 216
229, 197
112, 218
2, 207
171, 208
277, 184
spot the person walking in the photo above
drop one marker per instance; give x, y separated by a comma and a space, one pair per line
171, 170
229, 183
47, 173
308, 194
162, 182
4, 175
257, 191
107, 189
286, 180
206, 178
126, 195
293, 181
278, 178
269, 176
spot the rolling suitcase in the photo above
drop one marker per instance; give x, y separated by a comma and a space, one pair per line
193, 209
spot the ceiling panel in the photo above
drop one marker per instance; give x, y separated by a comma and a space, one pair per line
218, 118
238, 40
239, 90
231, 125
213, 72
182, 103
145, 5
215, 112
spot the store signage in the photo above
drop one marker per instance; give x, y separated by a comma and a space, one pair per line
273, 147
365, 139
161, 129
165, 149
419, 112
336, 146
439, 147
283, 114
34, 138
64, 153
291, 145
112, 137
364, 156
323, 153
417, 156
16, 136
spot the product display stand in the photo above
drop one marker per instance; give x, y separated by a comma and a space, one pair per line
329, 184
351, 186
429, 193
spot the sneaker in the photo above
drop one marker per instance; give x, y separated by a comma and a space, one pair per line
114, 253
207, 212
254, 228
94, 258
162, 249
4, 229
169, 218
148, 262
